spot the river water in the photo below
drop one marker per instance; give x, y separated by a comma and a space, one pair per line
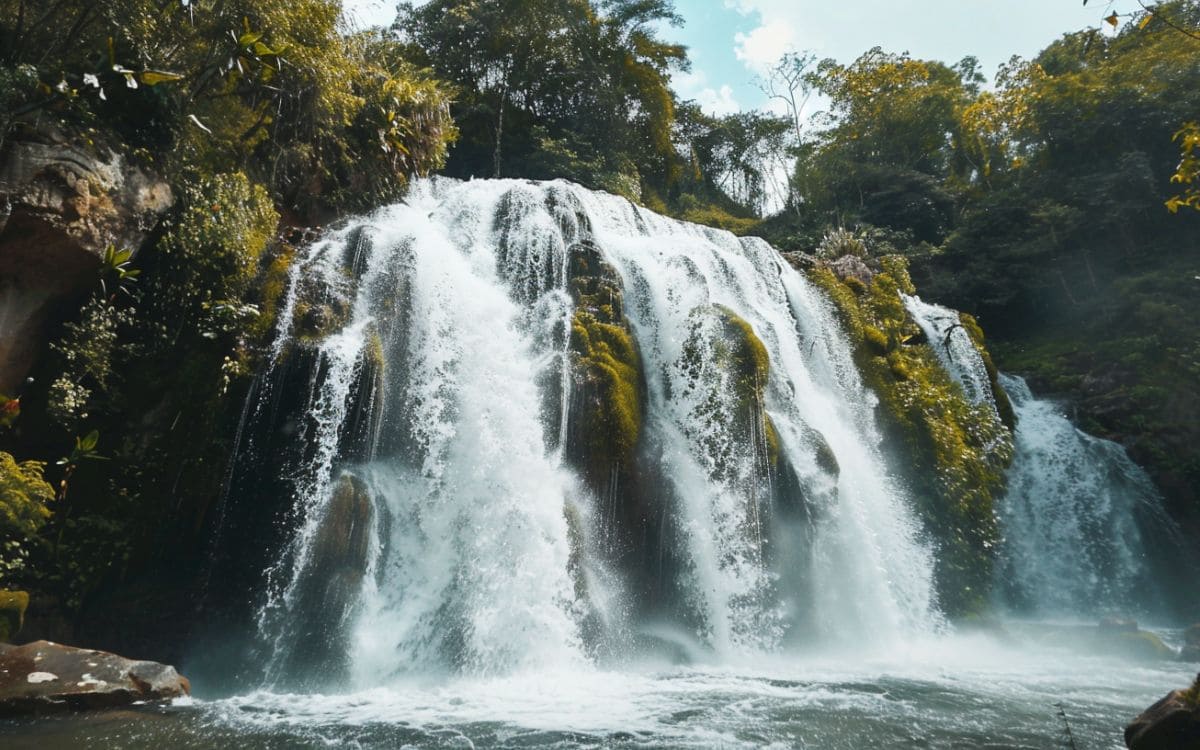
953, 692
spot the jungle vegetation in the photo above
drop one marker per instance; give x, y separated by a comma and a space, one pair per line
1055, 202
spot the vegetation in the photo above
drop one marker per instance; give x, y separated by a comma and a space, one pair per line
608, 368
956, 451
1055, 208
12, 613
257, 112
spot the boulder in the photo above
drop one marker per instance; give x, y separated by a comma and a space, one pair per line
61, 206
44, 677
1171, 724
1191, 644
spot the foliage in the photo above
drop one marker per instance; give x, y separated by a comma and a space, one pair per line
732, 160
1192, 694
554, 88
1041, 207
85, 350
840, 242
117, 270
25, 497
1187, 173
12, 613
270, 87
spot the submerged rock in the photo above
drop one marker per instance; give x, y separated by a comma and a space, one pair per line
1171, 724
45, 677
1122, 637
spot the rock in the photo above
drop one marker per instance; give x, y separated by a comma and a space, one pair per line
12, 613
1171, 724
851, 267
61, 206
1191, 644
44, 677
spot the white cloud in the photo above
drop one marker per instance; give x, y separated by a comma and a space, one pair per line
934, 29
763, 46
364, 13
718, 101
715, 100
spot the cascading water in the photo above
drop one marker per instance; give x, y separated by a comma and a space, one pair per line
533, 467
1078, 518
1077, 511
439, 523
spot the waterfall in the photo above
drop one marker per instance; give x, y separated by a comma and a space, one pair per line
1078, 519
1078, 511
953, 347
441, 515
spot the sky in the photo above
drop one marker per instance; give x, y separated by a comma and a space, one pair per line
733, 42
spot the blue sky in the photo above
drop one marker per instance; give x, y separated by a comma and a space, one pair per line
733, 41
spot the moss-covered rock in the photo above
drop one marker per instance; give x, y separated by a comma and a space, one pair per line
952, 451
608, 386
608, 370
12, 613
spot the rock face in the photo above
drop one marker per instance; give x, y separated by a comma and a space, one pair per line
1171, 724
60, 207
44, 677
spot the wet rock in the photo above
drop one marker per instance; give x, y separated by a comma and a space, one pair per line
44, 677
61, 206
1171, 724
1121, 636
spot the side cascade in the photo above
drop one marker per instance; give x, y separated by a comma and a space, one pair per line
535, 426
1078, 513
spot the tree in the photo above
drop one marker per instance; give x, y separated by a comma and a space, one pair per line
554, 88
271, 87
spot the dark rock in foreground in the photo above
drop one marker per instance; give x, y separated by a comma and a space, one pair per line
1171, 724
44, 677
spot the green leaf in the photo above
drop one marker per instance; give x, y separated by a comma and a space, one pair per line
89, 442
155, 77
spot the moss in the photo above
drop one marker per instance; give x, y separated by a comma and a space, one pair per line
12, 613
875, 339
771, 440
953, 451
856, 285
746, 354
272, 288
608, 362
